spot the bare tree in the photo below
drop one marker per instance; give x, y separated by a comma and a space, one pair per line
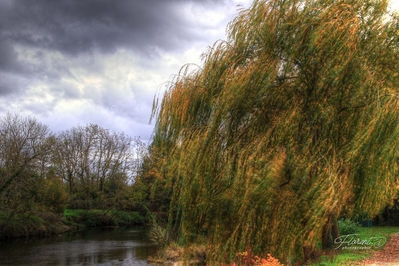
89, 156
24, 143
24, 146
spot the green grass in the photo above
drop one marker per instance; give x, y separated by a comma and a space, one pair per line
378, 230
348, 256
73, 212
341, 258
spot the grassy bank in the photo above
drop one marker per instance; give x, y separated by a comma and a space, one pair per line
47, 223
353, 256
30, 224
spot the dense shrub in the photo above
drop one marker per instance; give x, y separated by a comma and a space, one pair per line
347, 227
98, 218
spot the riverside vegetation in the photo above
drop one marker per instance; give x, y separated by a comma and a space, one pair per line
288, 125
52, 183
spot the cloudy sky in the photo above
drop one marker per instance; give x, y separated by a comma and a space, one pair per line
73, 62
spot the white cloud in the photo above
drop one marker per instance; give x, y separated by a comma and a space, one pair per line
394, 4
114, 90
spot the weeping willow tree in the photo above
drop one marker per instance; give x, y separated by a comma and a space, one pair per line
289, 123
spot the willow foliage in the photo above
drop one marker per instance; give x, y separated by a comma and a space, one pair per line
291, 121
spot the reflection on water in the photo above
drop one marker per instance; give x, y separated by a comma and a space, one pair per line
96, 247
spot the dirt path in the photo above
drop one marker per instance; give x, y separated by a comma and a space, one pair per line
389, 255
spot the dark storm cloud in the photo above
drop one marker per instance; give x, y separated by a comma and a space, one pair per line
77, 26
80, 61
7, 85
7, 56
11, 83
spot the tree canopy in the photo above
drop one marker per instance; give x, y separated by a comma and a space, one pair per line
38, 168
289, 123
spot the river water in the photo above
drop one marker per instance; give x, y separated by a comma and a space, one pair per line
121, 246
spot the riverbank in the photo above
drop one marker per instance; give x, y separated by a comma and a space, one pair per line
365, 246
42, 224
178, 255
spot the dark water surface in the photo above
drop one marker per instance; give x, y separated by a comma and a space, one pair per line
122, 246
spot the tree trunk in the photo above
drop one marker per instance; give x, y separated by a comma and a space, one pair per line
330, 232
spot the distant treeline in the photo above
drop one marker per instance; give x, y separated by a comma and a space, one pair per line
86, 167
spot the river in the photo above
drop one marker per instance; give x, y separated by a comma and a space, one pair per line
121, 246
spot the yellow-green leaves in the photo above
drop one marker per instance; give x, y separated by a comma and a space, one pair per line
291, 121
